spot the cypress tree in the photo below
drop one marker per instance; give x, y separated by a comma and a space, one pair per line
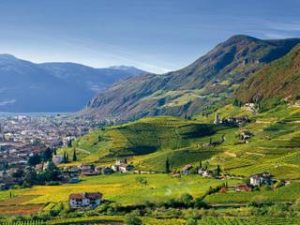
168, 166
74, 155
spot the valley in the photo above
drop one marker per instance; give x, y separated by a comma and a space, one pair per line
214, 143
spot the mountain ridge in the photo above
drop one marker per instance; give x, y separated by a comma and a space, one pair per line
197, 88
276, 82
29, 87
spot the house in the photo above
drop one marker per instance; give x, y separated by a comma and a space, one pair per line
124, 168
120, 162
260, 179
88, 170
204, 172
186, 169
243, 188
115, 168
87, 199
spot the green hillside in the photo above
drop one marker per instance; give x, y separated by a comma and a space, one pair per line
277, 81
202, 86
148, 142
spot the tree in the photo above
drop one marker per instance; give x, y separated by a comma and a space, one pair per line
34, 160
74, 155
30, 177
168, 170
132, 219
18, 174
237, 103
199, 203
187, 199
217, 171
200, 164
52, 172
65, 158
47, 154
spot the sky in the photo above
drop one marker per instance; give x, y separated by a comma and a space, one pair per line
154, 35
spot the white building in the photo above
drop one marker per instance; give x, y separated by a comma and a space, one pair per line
87, 199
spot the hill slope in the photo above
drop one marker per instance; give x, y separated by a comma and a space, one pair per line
29, 87
276, 81
195, 88
148, 142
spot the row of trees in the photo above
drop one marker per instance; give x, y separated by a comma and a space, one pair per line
50, 174
46, 156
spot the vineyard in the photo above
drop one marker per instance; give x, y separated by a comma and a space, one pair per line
207, 220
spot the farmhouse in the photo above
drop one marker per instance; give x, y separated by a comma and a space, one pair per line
204, 172
126, 168
186, 169
87, 199
121, 161
260, 179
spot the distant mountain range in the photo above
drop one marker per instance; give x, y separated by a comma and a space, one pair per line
53, 87
198, 88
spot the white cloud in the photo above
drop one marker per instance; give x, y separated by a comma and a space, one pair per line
7, 102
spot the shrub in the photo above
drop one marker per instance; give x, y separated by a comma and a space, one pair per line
187, 199
200, 204
132, 219
191, 221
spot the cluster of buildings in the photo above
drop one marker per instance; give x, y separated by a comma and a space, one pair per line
231, 121
73, 173
24, 136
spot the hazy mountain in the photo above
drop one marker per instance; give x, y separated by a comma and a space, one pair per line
199, 87
29, 87
277, 81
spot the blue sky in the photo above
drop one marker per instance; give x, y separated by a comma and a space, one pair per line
155, 35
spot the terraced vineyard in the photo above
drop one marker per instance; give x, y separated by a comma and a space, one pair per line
248, 221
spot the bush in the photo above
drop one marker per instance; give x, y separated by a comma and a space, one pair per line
200, 204
132, 219
187, 199
191, 221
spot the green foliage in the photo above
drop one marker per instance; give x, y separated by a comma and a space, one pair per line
192, 221
74, 155
187, 199
34, 160
142, 180
168, 170
132, 219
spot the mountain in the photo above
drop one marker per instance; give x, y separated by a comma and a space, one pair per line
199, 87
55, 87
277, 81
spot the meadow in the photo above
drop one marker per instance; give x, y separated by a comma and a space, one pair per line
123, 189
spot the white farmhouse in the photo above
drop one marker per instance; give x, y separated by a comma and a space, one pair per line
87, 199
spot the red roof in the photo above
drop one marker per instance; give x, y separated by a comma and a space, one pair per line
89, 195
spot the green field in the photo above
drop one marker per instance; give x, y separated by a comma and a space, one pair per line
147, 143
122, 189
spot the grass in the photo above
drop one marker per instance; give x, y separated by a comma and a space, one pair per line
284, 194
124, 189
147, 143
